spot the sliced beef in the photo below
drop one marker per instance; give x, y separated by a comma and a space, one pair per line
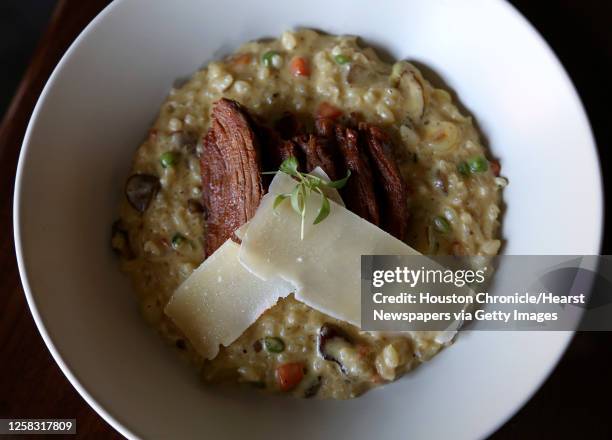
288, 126
319, 152
325, 127
235, 146
274, 150
289, 148
231, 172
271, 146
391, 188
290, 129
358, 194
268, 142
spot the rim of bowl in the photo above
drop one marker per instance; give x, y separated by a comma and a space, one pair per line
23, 273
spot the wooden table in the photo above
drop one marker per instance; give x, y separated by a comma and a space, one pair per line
32, 386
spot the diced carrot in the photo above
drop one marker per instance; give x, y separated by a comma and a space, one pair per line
299, 67
289, 375
363, 350
241, 59
495, 167
327, 110
377, 378
458, 249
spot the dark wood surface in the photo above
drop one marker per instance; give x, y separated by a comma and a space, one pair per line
574, 402
31, 384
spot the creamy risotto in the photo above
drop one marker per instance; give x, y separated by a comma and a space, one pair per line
454, 201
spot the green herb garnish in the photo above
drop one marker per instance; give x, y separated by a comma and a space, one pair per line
306, 184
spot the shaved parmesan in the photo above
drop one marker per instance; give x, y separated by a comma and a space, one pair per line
221, 299
238, 283
331, 193
325, 267
239, 233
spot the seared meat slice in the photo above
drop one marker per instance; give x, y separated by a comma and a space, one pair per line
325, 127
231, 165
391, 188
231, 172
319, 152
358, 194
274, 150
289, 148
288, 126
268, 143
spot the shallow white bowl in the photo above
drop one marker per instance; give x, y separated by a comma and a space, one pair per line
98, 105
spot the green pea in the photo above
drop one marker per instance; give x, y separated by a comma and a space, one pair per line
274, 345
463, 168
169, 159
178, 240
342, 59
441, 224
266, 58
478, 164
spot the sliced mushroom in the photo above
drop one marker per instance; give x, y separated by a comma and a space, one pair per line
358, 74
120, 241
313, 388
409, 81
195, 207
442, 136
257, 346
432, 241
140, 190
187, 140
330, 341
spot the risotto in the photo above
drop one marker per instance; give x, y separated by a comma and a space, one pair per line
454, 202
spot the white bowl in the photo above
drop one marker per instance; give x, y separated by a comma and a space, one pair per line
97, 107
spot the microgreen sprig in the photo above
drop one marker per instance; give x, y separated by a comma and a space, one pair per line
306, 184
